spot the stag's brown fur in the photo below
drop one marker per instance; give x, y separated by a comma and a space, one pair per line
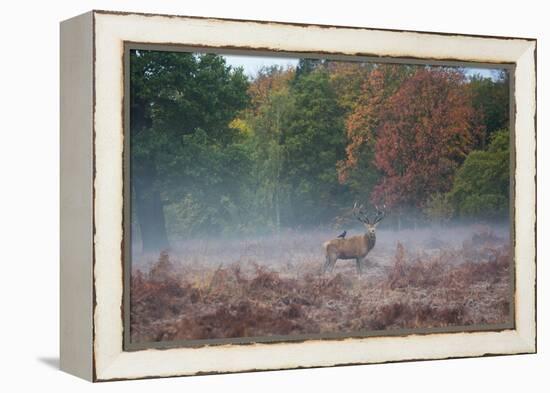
356, 247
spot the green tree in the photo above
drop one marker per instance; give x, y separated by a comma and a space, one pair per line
178, 102
314, 142
481, 186
490, 98
270, 191
306, 66
439, 208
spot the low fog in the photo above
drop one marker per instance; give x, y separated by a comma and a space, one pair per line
294, 247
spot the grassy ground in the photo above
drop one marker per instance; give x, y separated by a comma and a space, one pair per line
273, 286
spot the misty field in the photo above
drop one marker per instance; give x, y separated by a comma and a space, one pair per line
272, 285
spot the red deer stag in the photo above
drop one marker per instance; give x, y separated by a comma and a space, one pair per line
356, 247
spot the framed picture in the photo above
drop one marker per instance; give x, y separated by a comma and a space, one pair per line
246, 195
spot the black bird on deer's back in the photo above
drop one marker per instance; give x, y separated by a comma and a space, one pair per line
342, 235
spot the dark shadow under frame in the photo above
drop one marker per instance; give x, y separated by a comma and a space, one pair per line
275, 339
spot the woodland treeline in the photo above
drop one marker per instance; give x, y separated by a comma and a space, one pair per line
214, 151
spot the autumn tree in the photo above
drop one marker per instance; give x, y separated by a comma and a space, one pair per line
268, 80
377, 84
426, 131
347, 79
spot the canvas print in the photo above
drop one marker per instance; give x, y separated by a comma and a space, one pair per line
282, 198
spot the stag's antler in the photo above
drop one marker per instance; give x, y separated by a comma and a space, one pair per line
360, 213
380, 214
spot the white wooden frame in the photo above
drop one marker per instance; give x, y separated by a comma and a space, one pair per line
92, 88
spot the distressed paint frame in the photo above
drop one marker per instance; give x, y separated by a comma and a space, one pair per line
109, 33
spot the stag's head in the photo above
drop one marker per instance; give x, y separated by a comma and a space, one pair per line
370, 224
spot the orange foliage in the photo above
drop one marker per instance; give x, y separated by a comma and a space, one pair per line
363, 121
267, 82
427, 128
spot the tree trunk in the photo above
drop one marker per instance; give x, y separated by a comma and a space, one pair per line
277, 210
148, 205
149, 211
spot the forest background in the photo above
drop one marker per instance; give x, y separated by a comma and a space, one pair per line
215, 151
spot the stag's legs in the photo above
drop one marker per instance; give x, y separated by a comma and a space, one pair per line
326, 265
359, 263
329, 264
332, 264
